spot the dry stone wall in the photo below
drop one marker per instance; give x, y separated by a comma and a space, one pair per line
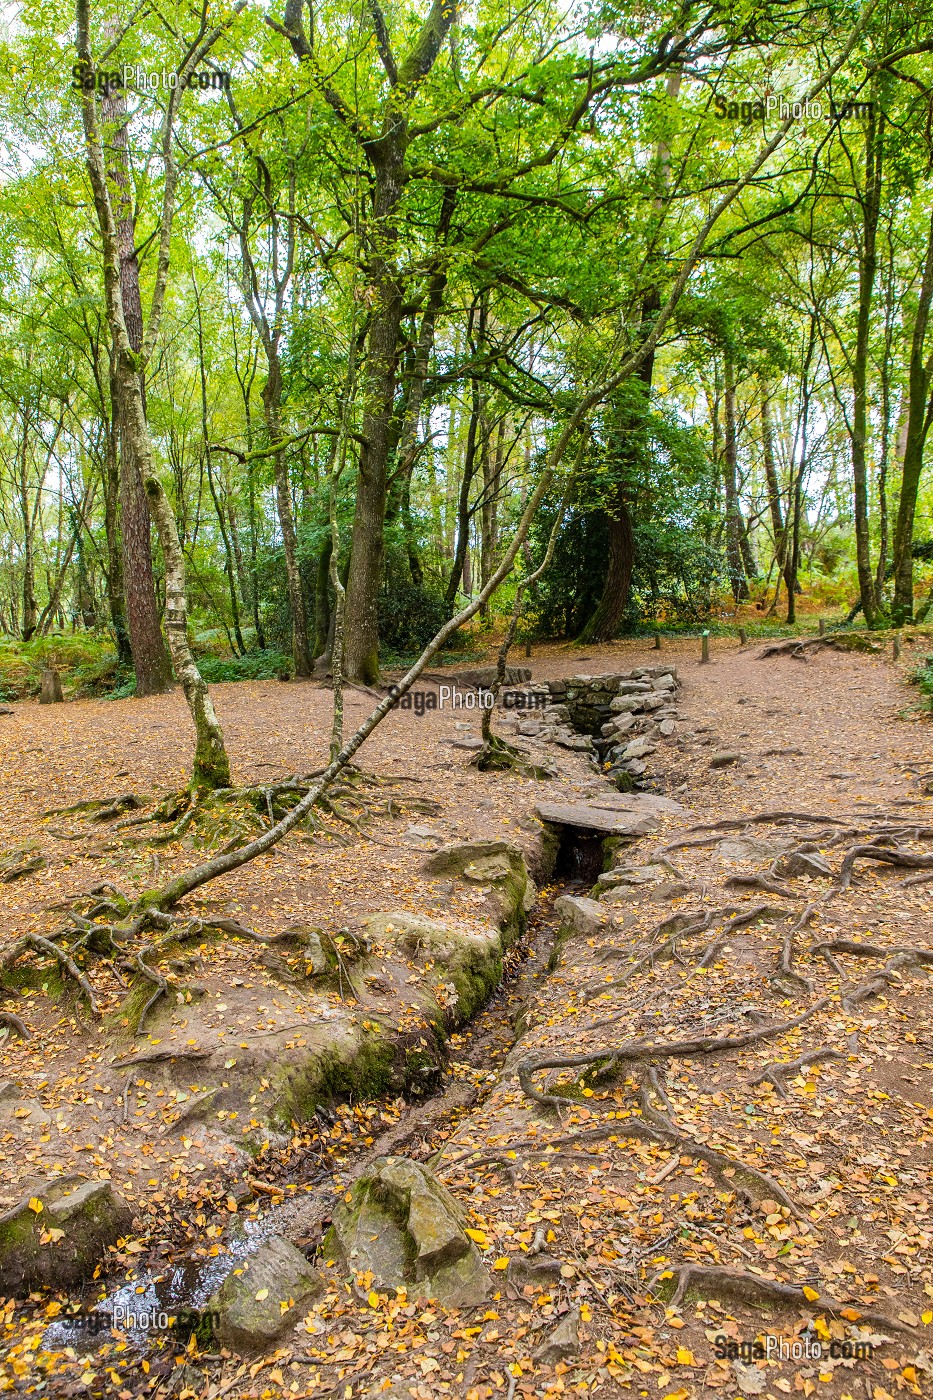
621, 719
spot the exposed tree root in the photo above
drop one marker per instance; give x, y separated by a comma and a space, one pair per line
607, 1059
728, 1170
14, 1023
28, 866
762, 882
716, 1282
498, 756
784, 971
35, 941
741, 920
777, 1072
778, 818
890, 856
161, 983
795, 647
96, 806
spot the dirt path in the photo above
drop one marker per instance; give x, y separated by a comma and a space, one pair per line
849, 1147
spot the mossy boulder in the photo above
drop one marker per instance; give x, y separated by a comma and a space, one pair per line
468, 962
263, 1296
499, 869
341, 1061
58, 1233
399, 1223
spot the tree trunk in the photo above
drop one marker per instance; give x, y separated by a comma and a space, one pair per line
459, 567
322, 605
211, 768
150, 658
301, 650
361, 659
735, 562
115, 597
605, 622
774, 495
918, 424
50, 692
867, 265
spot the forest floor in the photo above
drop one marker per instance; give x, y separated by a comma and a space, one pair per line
820, 1179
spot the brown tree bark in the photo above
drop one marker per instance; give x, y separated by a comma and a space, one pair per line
150, 658
386, 154
735, 562
211, 767
919, 414
871, 203
116, 598
127, 363
605, 622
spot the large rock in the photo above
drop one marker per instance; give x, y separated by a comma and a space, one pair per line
399, 1223
638, 748
585, 916
588, 816
638, 802
469, 961
649, 874
626, 704
263, 1295
61, 1243
497, 867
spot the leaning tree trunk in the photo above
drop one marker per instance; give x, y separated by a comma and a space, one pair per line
211, 767
150, 659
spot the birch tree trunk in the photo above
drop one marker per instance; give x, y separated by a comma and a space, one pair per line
211, 768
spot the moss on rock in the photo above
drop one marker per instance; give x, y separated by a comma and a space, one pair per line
58, 1233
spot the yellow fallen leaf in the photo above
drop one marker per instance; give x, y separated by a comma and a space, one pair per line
36, 1205
502, 1263
263, 1293
51, 1236
373, 1299
477, 1236
926, 1317
685, 1357
810, 1294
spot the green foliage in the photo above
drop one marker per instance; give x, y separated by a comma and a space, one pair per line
265, 665
922, 678
409, 616
86, 662
656, 465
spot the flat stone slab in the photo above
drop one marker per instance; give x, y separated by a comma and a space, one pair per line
641, 802
586, 816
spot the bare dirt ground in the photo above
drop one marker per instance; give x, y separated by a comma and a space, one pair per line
826, 1189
